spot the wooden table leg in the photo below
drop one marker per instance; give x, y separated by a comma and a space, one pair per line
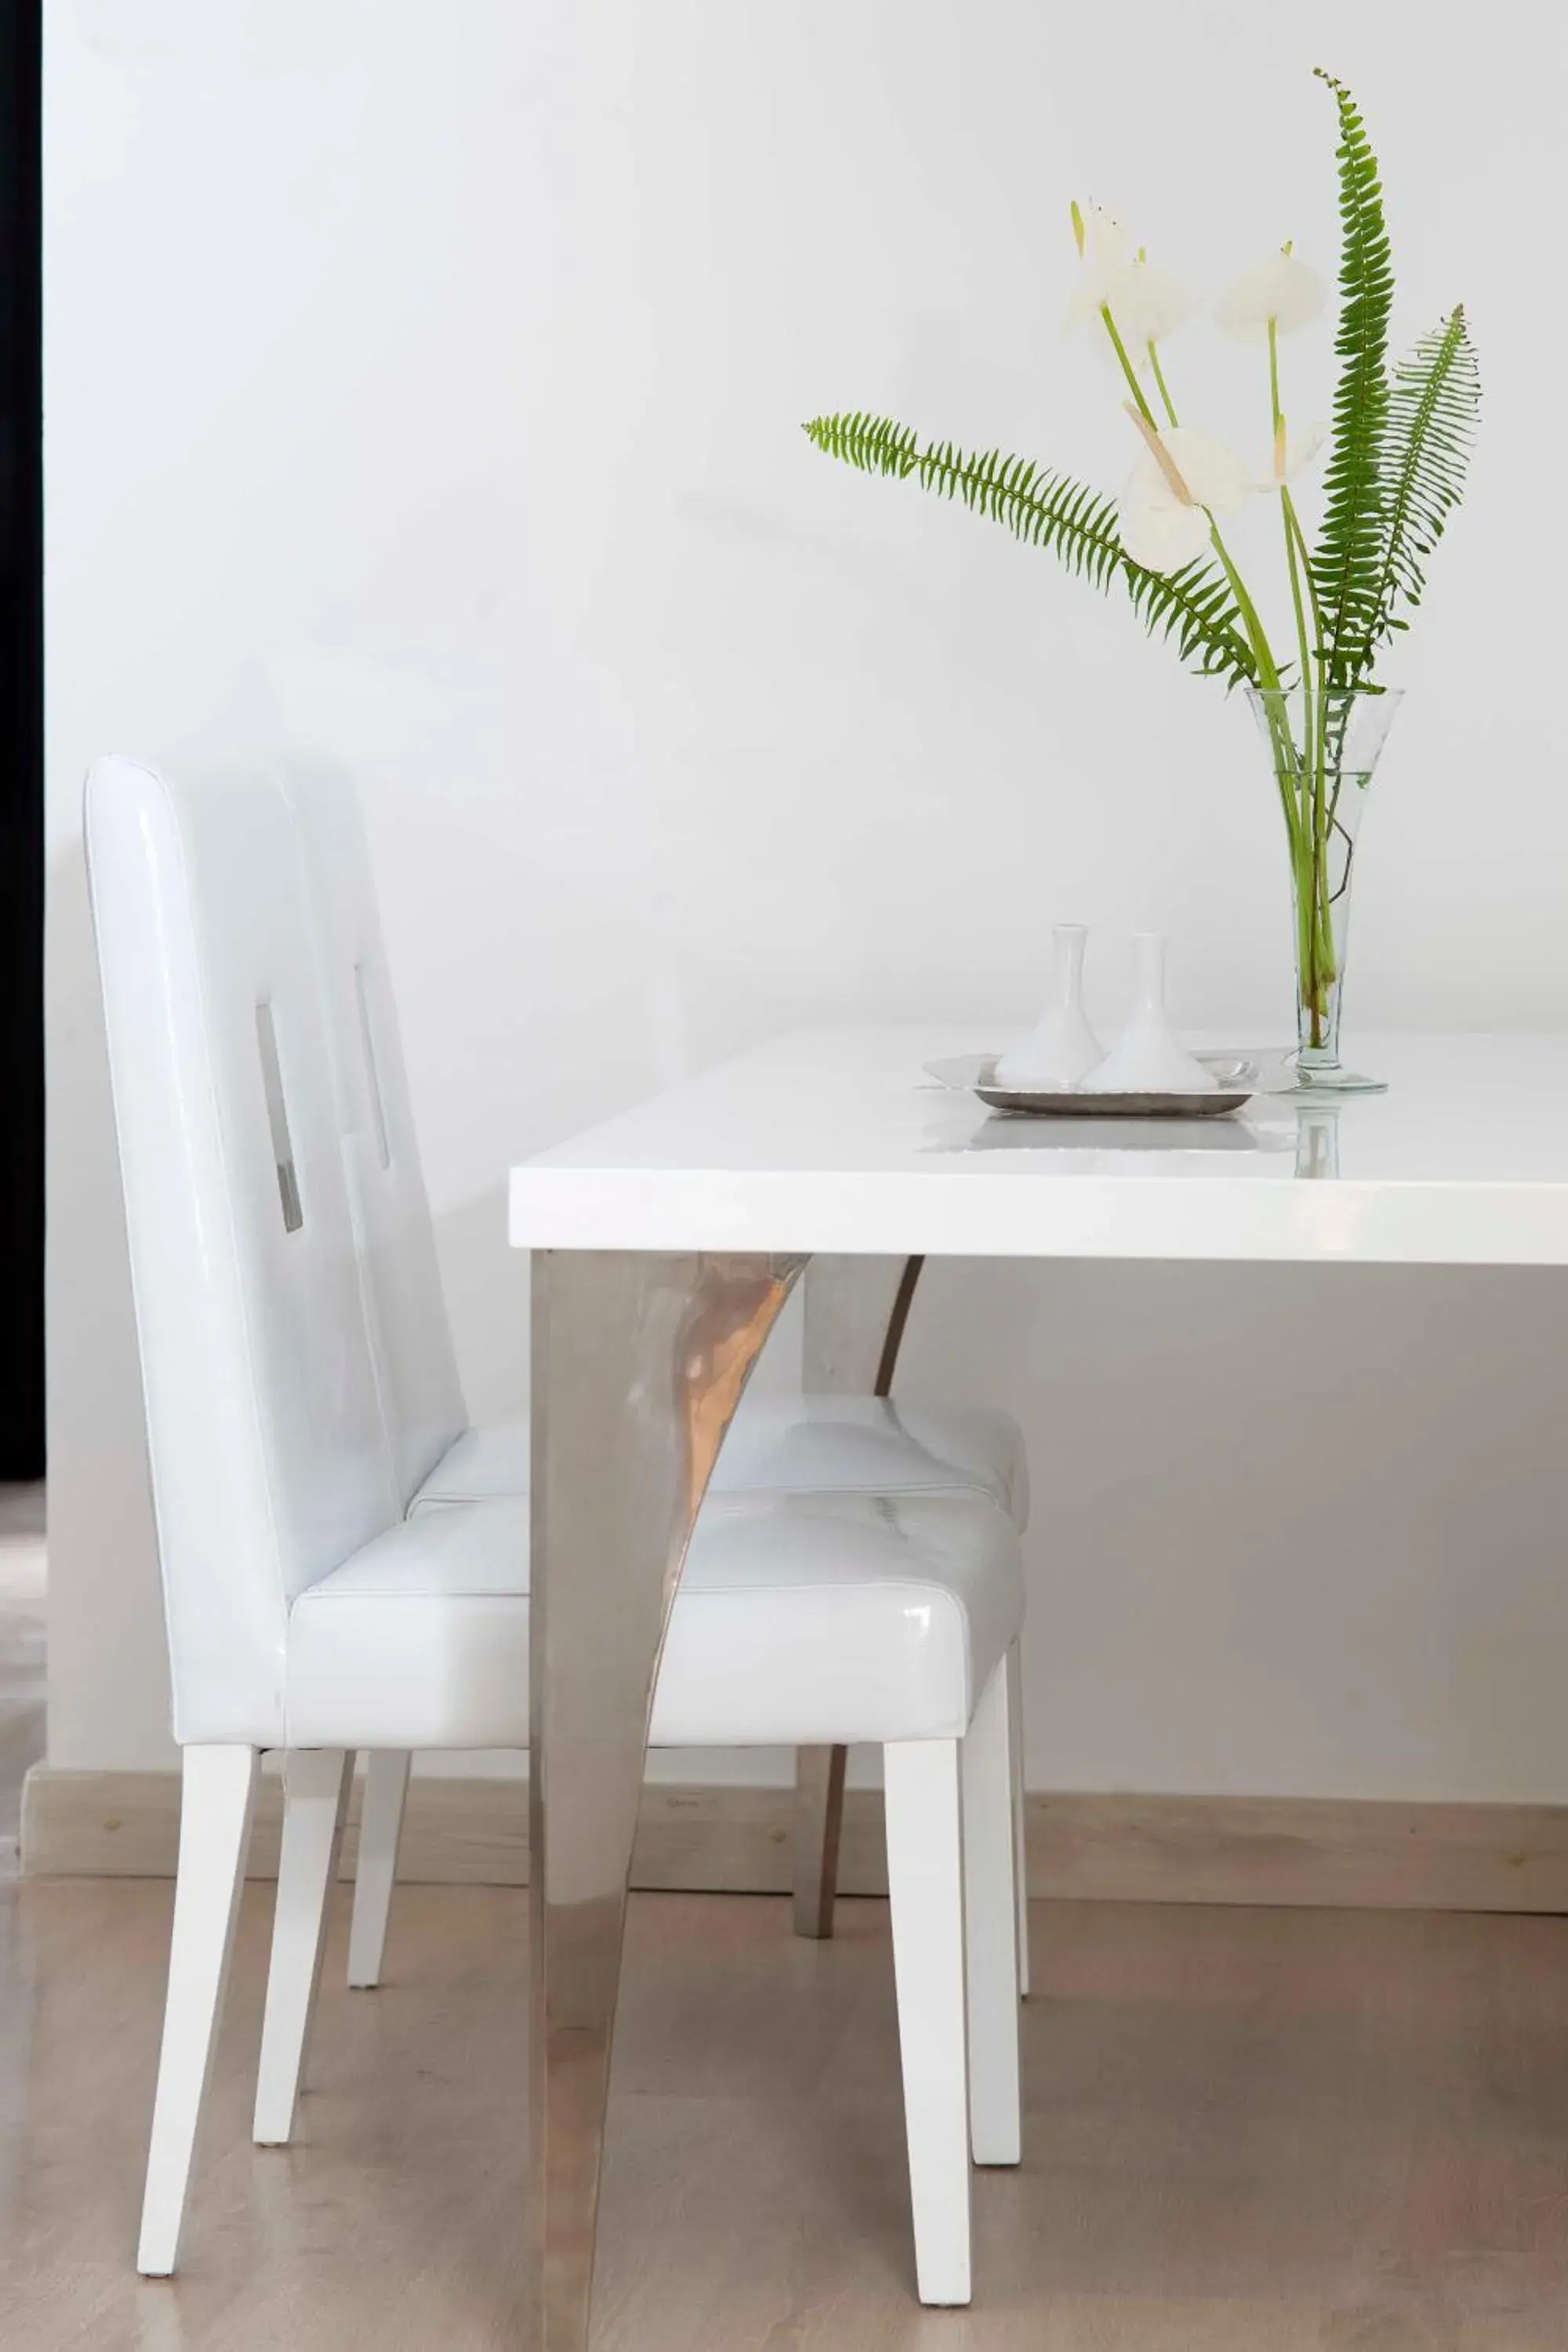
639, 1362
855, 1310
818, 1826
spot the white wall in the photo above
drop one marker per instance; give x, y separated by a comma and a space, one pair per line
423, 386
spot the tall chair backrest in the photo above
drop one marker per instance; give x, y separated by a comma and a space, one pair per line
268, 1454
406, 1307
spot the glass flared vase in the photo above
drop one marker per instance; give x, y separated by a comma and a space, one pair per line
1323, 747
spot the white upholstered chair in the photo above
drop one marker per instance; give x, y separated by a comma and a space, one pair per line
306, 1612
821, 1444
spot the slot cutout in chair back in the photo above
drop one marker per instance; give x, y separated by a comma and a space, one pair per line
278, 1117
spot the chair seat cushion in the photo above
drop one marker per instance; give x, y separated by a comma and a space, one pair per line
800, 1620
845, 1446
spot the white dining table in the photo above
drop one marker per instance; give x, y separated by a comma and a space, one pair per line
664, 1244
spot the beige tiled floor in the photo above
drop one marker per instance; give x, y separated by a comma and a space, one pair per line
1248, 2131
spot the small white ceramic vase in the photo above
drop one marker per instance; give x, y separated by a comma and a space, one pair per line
1061, 1048
1151, 1058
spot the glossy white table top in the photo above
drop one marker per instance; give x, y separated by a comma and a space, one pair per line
833, 1138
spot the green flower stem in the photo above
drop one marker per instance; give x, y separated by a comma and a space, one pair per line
1277, 422
1303, 642
1324, 809
1268, 668
1314, 908
1269, 678
1320, 972
1306, 787
1275, 712
1159, 375
1128, 370
1293, 525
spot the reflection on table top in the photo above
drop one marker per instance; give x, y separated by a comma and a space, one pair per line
834, 1139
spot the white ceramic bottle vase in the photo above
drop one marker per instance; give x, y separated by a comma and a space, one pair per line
1061, 1049
1150, 1060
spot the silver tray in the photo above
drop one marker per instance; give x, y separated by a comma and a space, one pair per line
977, 1075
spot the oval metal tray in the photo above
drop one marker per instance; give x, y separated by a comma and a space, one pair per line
976, 1074
1078, 1104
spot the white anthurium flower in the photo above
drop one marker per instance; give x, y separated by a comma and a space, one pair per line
1281, 292
1291, 454
1182, 479
1148, 304
1157, 530
1104, 251
1210, 474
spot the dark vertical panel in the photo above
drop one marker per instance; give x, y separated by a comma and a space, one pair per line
21, 755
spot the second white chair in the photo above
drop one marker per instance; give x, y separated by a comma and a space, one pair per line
820, 1445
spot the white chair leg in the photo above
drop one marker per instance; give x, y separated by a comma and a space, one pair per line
925, 1884
380, 1828
315, 1792
991, 1930
217, 1801
1020, 1810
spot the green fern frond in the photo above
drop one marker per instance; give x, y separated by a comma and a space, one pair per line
1194, 606
876, 444
1431, 428
1351, 544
